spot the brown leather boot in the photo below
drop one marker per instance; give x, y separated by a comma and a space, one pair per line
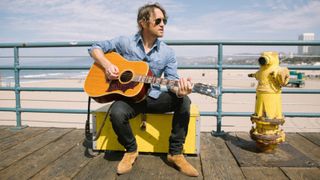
125, 165
182, 164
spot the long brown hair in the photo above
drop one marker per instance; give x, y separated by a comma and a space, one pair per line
145, 11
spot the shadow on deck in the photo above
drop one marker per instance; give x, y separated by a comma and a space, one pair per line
54, 153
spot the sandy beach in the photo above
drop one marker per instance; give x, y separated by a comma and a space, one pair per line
231, 103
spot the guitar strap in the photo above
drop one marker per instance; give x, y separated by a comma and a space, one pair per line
103, 123
88, 134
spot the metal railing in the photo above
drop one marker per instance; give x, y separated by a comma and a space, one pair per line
219, 67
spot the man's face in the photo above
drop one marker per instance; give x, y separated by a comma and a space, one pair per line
156, 23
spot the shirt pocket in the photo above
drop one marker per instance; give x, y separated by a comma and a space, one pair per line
157, 67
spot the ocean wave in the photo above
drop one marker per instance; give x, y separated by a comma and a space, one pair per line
34, 76
42, 75
31, 76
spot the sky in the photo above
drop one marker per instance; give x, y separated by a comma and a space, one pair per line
84, 20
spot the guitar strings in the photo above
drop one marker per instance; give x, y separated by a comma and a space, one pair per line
132, 76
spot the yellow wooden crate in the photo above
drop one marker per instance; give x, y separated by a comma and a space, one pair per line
155, 138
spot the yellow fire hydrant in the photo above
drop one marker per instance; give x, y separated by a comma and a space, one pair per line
268, 108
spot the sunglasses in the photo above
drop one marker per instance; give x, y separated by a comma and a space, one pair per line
158, 21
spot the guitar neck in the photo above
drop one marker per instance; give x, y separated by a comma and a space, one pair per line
155, 80
204, 89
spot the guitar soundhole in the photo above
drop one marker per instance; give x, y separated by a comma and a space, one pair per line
126, 76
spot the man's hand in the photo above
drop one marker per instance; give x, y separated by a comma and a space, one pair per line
185, 87
112, 71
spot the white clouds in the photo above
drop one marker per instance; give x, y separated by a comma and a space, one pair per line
278, 5
276, 20
68, 20
61, 20
301, 18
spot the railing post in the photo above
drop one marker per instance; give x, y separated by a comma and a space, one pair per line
219, 132
17, 88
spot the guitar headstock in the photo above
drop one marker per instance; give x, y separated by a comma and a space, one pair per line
205, 89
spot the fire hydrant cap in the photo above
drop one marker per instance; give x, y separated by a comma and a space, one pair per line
270, 58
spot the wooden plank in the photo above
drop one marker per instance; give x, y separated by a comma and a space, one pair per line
31, 145
302, 173
247, 155
19, 137
266, 173
217, 161
66, 166
312, 136
30, 165
102, 166
305, 146
6, 127
6, 132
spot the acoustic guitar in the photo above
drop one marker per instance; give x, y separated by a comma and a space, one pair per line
133, 81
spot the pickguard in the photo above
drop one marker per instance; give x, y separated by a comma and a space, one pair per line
117, 85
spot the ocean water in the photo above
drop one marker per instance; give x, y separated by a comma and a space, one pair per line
7, 76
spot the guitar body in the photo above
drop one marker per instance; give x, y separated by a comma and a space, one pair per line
102, 90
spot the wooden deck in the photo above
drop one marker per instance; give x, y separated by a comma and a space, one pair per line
54, 153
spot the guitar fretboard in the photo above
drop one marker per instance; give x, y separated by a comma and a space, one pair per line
196, 87
155, 80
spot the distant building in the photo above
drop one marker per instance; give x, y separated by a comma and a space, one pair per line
315, 50
304, 50
291, 55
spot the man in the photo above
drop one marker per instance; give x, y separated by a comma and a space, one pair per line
146, 46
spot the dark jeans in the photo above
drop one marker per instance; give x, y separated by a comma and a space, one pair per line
122, 111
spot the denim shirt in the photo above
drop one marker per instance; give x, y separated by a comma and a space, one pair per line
161, 58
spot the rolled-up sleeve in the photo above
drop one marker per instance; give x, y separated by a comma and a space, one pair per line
105, 46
